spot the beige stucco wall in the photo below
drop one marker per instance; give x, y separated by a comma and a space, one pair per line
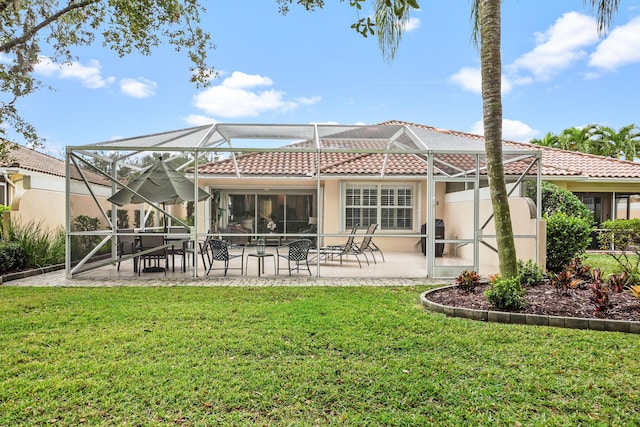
458, 219
40, 198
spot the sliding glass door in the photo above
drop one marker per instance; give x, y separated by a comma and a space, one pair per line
259, 213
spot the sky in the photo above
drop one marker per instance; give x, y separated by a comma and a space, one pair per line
311, 67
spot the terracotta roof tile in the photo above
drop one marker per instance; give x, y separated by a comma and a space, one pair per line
555, 162
32, 160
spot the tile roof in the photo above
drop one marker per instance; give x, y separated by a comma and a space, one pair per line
555, 162
32, 160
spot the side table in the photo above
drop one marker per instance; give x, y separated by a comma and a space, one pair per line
260, 258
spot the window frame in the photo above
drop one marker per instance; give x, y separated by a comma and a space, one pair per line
379, 207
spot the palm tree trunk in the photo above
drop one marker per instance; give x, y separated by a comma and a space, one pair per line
490, 34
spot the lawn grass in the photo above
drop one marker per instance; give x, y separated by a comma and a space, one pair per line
604, 262
297, 356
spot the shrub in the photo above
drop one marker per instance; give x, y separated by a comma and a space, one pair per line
41, 246
530, 273
506, 294
556, 199
567, 238
635, 291
12, 257
467, 280
600, 295
565, 281
122, 218
617, 282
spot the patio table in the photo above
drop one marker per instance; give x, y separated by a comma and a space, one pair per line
260, 258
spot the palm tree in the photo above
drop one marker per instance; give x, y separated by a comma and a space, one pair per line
597, 139
578, 139
623, 143
549, 140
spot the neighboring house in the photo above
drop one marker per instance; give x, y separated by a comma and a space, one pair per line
33, 185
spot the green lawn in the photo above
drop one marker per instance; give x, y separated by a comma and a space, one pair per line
297, 356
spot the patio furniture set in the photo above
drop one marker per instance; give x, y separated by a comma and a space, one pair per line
151, 252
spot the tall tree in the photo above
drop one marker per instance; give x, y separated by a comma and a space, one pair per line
124, 26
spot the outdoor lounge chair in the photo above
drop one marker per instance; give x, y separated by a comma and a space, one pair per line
225, 252
349, 248
367, 245
297, 252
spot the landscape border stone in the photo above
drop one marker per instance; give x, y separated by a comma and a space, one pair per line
608, 325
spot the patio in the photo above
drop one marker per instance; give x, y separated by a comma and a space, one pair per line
397, 265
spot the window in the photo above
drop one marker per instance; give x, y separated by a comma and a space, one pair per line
390, 205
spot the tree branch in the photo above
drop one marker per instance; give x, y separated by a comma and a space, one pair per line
32, 32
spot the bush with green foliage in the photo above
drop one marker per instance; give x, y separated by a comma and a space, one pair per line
556, 199
123, 218
506, 294
41, 246
530, 273
567, 238
567, 218
12, 257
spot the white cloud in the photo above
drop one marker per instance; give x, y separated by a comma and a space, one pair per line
620, 48
512, 130
138, 88
411, 24
240, 96
199, 120
470, 79
559, 47
90, 76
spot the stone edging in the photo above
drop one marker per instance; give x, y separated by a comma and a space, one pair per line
28, 273
529, 319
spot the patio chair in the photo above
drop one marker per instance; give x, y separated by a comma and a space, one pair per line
225, 252
128, 245
296, 251
349, 248
205, 250
151, 261
367, 245
180, 246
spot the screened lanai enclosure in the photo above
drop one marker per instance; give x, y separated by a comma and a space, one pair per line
418, 196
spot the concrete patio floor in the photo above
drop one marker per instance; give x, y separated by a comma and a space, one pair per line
399, 268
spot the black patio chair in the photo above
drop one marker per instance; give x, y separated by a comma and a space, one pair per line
204, 248
296, 251
151, 261
225, 252
367, 245
128, 245
179, 247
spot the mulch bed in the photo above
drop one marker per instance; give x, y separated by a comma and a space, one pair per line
546, 300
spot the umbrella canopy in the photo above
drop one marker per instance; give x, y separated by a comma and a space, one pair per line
159, 183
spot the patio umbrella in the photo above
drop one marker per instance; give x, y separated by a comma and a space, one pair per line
159, 183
